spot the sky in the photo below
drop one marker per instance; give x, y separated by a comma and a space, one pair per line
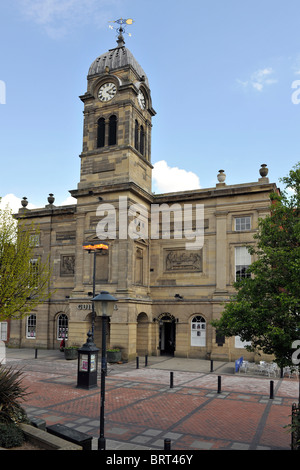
224, 79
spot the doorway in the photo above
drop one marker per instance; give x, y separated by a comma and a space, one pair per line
167, 335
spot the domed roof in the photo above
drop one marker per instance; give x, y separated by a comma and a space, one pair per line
116, 58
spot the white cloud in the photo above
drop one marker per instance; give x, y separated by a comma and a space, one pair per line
69, 201
259, 79
167, 179
13, 202
58, 17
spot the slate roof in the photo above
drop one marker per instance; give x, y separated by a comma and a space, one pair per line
116, 58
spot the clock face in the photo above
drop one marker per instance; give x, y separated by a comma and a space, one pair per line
141, 100
107, 92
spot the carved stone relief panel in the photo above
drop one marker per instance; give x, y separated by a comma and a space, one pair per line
181, 260
67, 265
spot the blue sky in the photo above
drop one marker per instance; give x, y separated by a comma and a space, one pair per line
221, 76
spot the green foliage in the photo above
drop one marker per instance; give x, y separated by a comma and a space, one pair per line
10, 435
23, 285
11, 392
265, 309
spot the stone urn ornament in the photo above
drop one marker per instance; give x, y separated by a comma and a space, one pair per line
263, 170
51, 199
221, 176
24, 202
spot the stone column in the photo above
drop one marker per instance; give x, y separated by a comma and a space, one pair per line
78, 288
221, 251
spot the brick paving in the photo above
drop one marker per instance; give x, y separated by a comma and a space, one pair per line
141, 409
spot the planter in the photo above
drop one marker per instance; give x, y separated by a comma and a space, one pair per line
114, 356
45, 440
71, 353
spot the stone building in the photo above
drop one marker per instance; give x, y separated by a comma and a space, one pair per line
169, 286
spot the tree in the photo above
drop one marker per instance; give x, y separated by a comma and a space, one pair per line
265, 309
24, 278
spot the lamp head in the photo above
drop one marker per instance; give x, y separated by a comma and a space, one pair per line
104, 304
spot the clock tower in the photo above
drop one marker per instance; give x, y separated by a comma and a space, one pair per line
117, 122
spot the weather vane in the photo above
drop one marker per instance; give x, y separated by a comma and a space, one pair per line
122, 25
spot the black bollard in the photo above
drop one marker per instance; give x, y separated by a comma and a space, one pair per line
211, 365
171, 380
219, 384
167, 444
146, 361
137, 362
36, 353
271, 389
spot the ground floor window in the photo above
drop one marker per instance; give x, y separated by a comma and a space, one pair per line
3, 331
62, 326
31, 326
198, 331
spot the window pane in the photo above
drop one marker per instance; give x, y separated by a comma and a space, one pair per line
242, 256
136, 135
31, 327
242, 262
142, 141
34, 270
101, 133
3, 331
198, 331
112, 139
62, 327
242, 223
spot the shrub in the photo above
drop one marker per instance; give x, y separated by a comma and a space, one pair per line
10, 435
11, 392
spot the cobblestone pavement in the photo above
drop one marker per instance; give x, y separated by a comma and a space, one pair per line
200, 412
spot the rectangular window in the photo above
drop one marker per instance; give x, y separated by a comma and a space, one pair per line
31, 327
242, 262
34, 240
3, 331
34, 272
242, 223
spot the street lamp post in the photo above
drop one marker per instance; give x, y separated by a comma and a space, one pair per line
96, 248
104, 305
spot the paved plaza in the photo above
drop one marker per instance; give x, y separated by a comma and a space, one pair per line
204, 410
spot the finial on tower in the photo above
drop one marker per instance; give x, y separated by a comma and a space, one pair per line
121, 29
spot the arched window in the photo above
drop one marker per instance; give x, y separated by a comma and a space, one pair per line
101, 133
62, 326
198, 331
31, 326
136, 135
142, 141
112, 137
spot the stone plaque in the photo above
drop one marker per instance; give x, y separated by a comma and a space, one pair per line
183, 260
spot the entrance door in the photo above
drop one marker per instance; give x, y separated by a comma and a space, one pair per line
167, 335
